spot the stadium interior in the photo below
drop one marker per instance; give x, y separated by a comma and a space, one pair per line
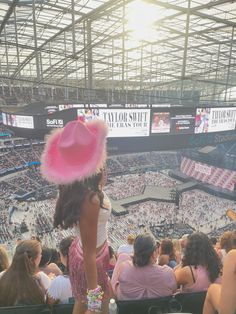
162, 75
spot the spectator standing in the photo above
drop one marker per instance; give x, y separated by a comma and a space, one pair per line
74, 158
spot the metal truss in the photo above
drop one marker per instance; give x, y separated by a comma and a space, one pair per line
86, 44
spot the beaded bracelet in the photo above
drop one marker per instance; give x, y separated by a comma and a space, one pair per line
94, 299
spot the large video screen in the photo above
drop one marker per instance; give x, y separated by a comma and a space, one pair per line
122, 123
26, 122
134, 122
215, 119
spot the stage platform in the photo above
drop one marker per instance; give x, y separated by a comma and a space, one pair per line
150, 193
163, 194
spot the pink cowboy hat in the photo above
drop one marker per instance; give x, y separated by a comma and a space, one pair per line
75, 152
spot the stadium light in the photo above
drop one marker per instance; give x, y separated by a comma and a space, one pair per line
140, 17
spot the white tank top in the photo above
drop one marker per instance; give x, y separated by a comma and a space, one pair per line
104, 214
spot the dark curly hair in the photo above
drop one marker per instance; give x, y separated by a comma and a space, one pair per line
199, 251
71, 197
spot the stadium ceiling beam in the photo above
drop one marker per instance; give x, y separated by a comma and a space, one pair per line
195, 11
91, 15
64, 9
168, 41
8, 14
22, 46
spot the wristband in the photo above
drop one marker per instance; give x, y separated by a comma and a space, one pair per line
94, 299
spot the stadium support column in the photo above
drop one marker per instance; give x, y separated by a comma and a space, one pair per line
73, 24
89, 55
66, 92
185, 51
229, 65
7, 60
216, 74
123, 48
17, 46
141, 68
36, 42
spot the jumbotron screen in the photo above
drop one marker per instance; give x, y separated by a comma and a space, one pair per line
133, 122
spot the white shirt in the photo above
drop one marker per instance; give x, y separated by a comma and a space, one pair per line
126, 248
60, 289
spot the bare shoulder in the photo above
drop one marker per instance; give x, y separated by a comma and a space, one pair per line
232, 255
91, 199
184, 270
230, 261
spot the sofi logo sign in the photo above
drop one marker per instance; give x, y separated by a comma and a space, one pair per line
54, 123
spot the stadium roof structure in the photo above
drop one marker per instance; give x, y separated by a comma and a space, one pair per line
107, 44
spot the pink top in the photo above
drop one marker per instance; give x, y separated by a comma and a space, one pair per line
202, 281
151, 281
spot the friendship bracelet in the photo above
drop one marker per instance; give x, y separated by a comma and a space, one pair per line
94, 299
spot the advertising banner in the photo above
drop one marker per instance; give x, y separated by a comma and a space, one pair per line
215, 119
122, 123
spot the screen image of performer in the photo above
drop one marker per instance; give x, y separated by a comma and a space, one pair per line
160, 122
202, 120
74, 158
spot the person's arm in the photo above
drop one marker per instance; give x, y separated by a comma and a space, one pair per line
228, 290
211, 303
88, 230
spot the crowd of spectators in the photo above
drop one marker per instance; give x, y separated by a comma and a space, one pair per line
134, 184
203, 211
197, 212
148, 269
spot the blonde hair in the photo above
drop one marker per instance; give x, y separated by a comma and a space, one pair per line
4, 261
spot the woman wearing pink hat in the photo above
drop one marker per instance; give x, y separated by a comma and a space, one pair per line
74, 158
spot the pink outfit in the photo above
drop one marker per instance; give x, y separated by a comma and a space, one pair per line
202, 281
151, 281
77, 272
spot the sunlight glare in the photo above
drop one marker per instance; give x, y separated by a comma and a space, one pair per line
141, 17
